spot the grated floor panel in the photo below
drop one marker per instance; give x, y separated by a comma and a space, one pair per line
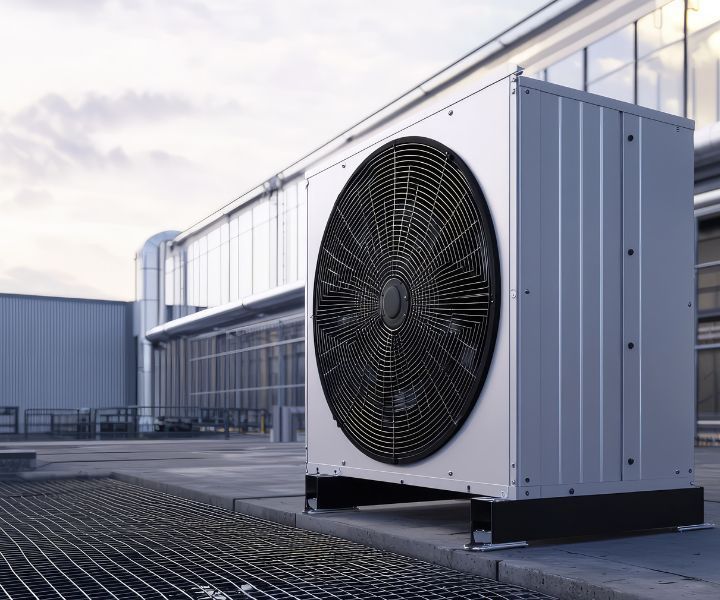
104, 538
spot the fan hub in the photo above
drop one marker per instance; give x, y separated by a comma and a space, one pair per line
394, 303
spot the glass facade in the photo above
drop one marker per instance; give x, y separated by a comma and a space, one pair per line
251, 367
256, 248
666, 59
568, 72
708, 334
644, 61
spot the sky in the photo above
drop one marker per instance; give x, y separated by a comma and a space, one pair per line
123, 118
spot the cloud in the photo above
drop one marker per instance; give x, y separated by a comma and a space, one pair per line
95, 111
32, 198
135, 116
53, 134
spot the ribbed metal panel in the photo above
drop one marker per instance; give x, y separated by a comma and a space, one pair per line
605, 309
65, 353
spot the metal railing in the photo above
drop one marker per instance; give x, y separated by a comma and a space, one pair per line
9, 420
134, 422
58, 422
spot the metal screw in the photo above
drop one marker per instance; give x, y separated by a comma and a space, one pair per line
527, 480
402, 481
631, 345
450, 112
631, 461
343, 166
689, 304
677, 471
468, 488
689, 470
513, 465
513, 293
343, 463
631, 252
527, 291
513, 482
527, 493
450, 473
527, 91
571, 491
630, 138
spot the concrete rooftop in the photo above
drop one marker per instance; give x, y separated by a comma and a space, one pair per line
249, 475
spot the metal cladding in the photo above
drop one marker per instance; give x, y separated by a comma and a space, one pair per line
590, 386
65, 352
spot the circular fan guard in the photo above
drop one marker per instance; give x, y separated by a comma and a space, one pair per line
406, 300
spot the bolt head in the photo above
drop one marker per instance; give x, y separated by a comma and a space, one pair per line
450, 473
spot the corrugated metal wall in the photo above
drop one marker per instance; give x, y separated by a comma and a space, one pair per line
605, 318
65, 353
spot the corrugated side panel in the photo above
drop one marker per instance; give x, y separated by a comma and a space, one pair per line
593, 409
570, 300
65, 353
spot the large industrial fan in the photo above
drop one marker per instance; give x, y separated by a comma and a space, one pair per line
489, 315
406, 300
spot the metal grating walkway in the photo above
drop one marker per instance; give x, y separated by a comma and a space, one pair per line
106, 539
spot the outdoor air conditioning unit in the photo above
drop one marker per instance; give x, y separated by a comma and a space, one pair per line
500, 304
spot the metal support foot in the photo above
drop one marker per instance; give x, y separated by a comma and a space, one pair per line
697, 527
498, 522
491, 547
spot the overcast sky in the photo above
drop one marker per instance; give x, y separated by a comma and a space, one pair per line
122, 118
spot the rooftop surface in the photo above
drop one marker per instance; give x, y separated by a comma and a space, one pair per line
253, 477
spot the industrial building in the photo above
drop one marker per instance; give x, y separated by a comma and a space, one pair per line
218, 322
61, 359
222, 301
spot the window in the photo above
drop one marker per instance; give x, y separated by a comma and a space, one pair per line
245, 249
169, 281
704, 76
568, 72
619, 84
708, 333
261, 246
660, 28
610, 53
708, 384
610, 65
660, 79
661, 58
224, 263
701, 14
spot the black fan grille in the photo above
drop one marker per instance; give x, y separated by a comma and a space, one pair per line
406, 300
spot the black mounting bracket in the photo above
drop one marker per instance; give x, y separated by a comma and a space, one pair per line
503, 523
336, 492
497, 523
